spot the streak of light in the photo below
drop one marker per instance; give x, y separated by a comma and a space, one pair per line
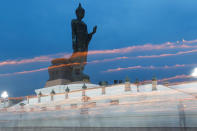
149, 67
47, 58
167, 55
107, 71
23, 72
105, 60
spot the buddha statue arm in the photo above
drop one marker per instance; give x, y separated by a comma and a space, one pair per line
92, 33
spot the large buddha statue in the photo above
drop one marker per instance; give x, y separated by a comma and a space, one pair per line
80, 42
62, 70
80, 36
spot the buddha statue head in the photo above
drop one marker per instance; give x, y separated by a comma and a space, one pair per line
80, 12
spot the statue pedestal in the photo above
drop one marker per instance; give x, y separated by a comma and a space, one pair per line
57, 82
64, 71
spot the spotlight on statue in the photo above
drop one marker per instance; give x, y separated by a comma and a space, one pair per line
4, 95
194, 74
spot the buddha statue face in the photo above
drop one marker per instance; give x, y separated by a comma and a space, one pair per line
80, 12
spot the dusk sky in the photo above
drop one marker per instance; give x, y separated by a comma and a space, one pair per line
135, 38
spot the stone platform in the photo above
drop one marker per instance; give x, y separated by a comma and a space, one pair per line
60, 88
56, 82
116, 107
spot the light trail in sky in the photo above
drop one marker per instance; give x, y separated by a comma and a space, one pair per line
107, 71
45, 58
149, 67
23, 72
167, 55
146, 47
138, 67
49, 57
142, 82
141, 57
175, 77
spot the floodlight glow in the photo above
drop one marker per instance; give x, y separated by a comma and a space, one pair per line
4, 95
194, 74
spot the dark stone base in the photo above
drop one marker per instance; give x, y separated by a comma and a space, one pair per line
57, 82
64, 71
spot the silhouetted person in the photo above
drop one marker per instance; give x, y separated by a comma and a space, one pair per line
182, 121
